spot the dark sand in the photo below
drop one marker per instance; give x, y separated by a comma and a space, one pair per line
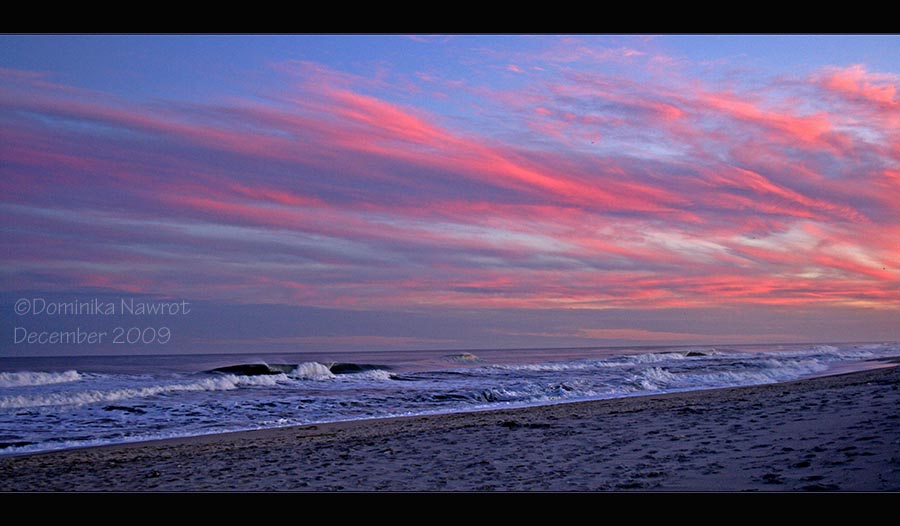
832, 433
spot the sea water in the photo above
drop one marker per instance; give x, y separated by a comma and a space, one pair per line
49, 403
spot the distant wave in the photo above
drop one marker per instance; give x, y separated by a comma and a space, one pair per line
255, 369
350, 368
24, 378
692, 352
465, 357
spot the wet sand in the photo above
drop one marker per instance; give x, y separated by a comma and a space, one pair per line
825, 434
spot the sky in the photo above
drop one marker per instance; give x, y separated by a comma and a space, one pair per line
377, 192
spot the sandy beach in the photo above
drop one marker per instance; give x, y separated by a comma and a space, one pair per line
832, 433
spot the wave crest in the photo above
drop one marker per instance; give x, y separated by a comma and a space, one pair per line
24, 378
311, 371
221, 383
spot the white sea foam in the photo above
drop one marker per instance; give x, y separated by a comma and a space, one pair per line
655, 357
764, 371
24, 378
311, 371
318, 371
548, 367
220, 383
372, 374
654, 378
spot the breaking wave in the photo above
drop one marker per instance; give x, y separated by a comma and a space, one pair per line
311, 371
24, 378
222, 383
306, 370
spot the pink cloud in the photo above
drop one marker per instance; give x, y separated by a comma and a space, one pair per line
598, 191
814, 131
856, 82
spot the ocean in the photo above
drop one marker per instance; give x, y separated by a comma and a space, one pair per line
49, 403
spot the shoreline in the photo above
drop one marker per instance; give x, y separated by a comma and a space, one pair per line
882, 363
613, 444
